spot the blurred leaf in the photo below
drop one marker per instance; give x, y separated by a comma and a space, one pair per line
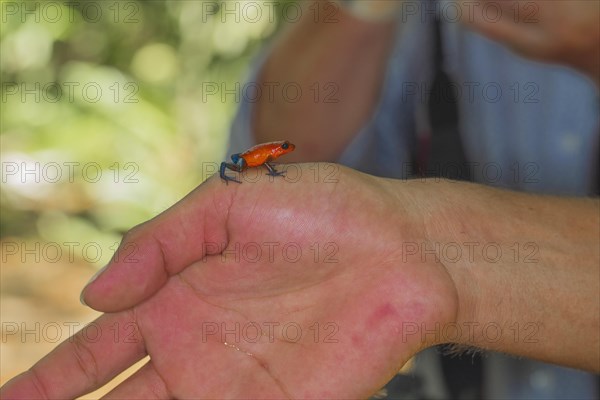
111, 95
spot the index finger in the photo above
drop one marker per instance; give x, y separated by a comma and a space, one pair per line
83, 363
161, 247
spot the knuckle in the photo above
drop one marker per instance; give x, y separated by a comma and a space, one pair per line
133, 234
85, 359
38, 383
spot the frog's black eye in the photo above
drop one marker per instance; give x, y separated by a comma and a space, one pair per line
285, 145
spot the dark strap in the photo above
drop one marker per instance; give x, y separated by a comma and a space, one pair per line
446, 156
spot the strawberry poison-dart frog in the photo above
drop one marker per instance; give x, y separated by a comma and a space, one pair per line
261, 154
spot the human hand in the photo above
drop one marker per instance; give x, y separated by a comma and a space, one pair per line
561, 31
184, 298
373, 9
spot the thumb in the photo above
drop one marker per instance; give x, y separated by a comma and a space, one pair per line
153, 251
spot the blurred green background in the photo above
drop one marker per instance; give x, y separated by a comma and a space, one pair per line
124, 85
111, 111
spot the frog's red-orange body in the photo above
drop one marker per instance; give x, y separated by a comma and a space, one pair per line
261, 154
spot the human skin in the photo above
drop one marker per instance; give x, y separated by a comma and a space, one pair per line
372, 296
546, 309
339, 57
353, 54
556, 31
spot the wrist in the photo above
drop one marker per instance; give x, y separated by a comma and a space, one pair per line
475, 236
422, 204
525, 269
480, 237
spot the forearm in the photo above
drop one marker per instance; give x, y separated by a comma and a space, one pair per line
338, 62
531, 287
526, 270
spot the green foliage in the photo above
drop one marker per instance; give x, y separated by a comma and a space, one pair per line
105, 121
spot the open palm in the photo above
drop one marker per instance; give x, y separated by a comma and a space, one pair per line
269, 289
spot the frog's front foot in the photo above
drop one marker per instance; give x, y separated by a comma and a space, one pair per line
273, 171
227, 179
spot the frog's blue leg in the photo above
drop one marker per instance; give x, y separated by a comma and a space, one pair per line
272, 170
222, 174
238, 165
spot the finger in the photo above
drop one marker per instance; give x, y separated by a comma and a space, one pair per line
144, 384
511, 30
492, 11
82, 363
161, 247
